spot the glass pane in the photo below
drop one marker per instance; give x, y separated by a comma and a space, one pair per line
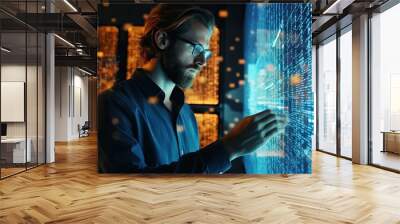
41, 98
346, 94
14, 153
386, 89
314, 87
31, 97
327, 97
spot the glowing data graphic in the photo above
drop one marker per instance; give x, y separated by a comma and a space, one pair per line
278, 77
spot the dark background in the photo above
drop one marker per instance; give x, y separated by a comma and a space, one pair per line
229, 109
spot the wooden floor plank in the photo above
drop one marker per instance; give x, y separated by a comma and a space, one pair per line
71, 191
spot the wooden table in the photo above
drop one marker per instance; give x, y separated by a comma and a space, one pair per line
391, 141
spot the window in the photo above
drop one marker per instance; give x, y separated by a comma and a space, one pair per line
346, 94
327, 96
22, 65
385, 88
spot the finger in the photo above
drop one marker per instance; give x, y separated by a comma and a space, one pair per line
279, 124
262, 115
259, 127
282, 123
272, 116
274, 119
268, 128
272, 133
254, 134
270, 121
260, 130
255, 141
259, 124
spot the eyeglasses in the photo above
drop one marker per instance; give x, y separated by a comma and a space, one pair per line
197, 48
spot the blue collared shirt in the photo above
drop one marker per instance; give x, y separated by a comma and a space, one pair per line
137, 133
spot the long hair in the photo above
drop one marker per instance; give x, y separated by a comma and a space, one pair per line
174, 19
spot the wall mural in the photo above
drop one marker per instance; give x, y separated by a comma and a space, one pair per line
264, 63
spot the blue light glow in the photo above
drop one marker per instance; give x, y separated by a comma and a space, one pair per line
278, 76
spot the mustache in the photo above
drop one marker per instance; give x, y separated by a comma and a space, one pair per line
197, 68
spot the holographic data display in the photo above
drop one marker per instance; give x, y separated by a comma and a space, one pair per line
278, 76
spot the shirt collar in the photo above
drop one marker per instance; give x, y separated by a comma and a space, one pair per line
151, 89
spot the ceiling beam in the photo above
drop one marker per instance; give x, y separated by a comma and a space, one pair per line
81, 61
337, 6
86, 26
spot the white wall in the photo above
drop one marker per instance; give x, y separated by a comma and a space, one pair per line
71, 94
33, 126
80, 110
16, 72
62, 81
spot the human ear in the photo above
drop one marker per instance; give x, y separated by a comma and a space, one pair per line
161, 39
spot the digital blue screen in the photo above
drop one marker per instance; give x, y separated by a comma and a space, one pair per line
278, 76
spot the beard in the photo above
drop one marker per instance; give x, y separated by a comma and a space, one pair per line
182, 76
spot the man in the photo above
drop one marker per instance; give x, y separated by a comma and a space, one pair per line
144, 124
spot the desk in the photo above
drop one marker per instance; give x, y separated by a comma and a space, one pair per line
391, 141
13, 150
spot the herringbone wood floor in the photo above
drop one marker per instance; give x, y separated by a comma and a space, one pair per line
71, 191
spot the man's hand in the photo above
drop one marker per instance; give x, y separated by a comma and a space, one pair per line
252, 132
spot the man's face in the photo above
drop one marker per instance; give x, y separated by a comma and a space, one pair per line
178, 62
